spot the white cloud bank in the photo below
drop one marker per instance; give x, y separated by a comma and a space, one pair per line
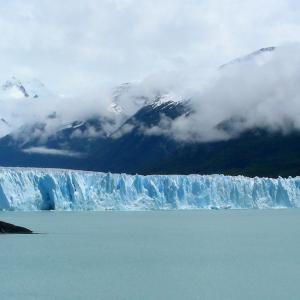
262, 92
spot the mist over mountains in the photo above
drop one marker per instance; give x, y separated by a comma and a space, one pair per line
225, 120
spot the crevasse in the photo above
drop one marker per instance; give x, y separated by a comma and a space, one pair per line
52, 189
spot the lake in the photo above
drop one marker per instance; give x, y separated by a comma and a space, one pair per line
232, 254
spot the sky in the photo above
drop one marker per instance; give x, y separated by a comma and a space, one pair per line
74, 46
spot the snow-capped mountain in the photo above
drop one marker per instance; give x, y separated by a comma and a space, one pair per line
258, 57
17, 89
123, 111
15, 97
139, 98
120, 141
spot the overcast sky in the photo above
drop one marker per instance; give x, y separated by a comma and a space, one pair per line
75, 45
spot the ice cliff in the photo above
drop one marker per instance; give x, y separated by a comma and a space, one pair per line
47, 189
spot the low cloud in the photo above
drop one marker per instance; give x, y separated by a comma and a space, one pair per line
49, 151
259, 91
262, 91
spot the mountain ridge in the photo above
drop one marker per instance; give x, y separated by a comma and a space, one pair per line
121, 142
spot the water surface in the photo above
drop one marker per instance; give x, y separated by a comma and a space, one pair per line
241, 254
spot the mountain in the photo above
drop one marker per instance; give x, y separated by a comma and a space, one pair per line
121, 142
17, 89
15, 97
253, 153
257, 57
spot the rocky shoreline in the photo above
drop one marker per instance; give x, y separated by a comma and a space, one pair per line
7, 228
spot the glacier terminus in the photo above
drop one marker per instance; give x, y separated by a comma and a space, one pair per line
26, 189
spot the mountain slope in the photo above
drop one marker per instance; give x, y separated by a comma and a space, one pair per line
254, 153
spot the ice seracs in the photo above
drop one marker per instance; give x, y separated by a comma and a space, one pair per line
50, 189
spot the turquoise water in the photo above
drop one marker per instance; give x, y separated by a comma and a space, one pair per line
242, 254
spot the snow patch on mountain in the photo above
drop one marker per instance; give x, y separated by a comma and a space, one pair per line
166, 98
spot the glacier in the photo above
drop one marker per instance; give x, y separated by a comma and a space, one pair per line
27, 189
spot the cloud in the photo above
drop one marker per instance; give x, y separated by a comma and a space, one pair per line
125, 129
174, 46
260, 92
50, 151
257, 91
73, 48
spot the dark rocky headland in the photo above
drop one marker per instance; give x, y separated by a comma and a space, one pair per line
7, 228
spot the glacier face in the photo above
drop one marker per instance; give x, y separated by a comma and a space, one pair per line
48, 189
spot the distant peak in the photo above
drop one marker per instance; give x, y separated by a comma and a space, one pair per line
250, 57
16, 88
267, 49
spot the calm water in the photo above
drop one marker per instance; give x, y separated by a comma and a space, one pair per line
153, 255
